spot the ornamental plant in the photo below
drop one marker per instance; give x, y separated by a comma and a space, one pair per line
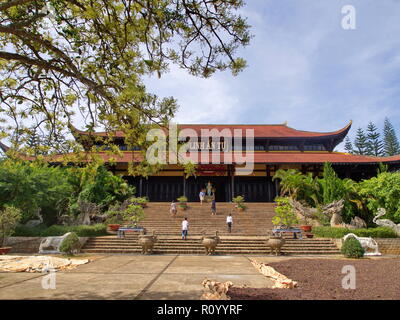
70, 244
9, 218
182, 201
133, 214
239, 200
284, 213
352, 248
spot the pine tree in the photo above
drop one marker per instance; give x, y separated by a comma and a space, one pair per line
360, 142
391, 144
374, 143
33, 143
348, 146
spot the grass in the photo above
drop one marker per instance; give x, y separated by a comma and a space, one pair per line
329, 232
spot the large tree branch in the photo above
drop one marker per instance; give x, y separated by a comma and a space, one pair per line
10, 4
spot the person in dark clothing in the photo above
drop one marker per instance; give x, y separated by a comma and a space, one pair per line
213, 207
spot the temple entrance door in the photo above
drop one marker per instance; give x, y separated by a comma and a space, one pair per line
194, 185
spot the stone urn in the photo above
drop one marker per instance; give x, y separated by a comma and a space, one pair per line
275, 243
210, 243
5, 250
147, 242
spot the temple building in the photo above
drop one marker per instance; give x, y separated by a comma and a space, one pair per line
275, 147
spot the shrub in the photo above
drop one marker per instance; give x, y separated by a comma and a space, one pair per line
329, 232
70, 244
239, 200
9, 217
284, 214
352, 248
24, 231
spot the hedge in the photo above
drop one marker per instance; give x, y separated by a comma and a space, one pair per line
329, 232
58, 230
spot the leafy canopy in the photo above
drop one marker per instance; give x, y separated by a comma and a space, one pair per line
60, 59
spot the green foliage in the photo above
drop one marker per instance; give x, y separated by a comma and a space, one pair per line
91, 57
9, 217
383, 191
182, 199
360, 142
95, 184
70, 244
58, 230
133, 214
284, 214
33, 187
374, 143
329, 232
391, 144
239, 200
352, 248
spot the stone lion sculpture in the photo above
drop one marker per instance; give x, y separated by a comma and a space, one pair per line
51, 245
367, 243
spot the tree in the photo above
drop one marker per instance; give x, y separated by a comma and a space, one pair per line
9, 217
348, 146
374, 143
360, 142
59, 58
391, 144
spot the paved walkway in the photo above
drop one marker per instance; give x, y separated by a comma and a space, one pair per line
135, 277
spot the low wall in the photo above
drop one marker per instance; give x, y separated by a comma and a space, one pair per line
29, 244
386, 245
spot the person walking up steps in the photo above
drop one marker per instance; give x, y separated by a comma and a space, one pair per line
185, 228
172, 210
229, 222
202, 195
213, 207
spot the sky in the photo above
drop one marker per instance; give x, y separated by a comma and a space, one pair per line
303, 68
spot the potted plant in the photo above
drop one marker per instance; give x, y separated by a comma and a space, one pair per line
284, 213
182, 202
114, 219
239, 203
133, 215
306, 227
142, 201
9, 217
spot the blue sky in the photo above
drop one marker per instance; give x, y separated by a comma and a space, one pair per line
303, 68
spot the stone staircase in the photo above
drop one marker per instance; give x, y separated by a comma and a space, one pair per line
249, 232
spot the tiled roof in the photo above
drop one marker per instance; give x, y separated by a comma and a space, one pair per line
260, 130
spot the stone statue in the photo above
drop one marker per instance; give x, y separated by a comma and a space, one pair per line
209, 189
366, 243
305, 213
210, 242
51, 245
34, 223
386, 222
334, 211
358, 223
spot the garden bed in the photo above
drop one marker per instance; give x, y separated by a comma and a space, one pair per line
321, 279
329, 232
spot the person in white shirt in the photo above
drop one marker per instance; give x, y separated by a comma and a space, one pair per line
172, 210
202, 195
229, 222
185, 228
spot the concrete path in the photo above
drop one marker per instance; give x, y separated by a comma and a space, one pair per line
156, 277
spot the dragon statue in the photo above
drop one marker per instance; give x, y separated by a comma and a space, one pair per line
386, 222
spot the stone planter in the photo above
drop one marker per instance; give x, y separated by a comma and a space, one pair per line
5, 250
306, 228
275, 243
182, 206
147, 242
210, 243
114, 227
